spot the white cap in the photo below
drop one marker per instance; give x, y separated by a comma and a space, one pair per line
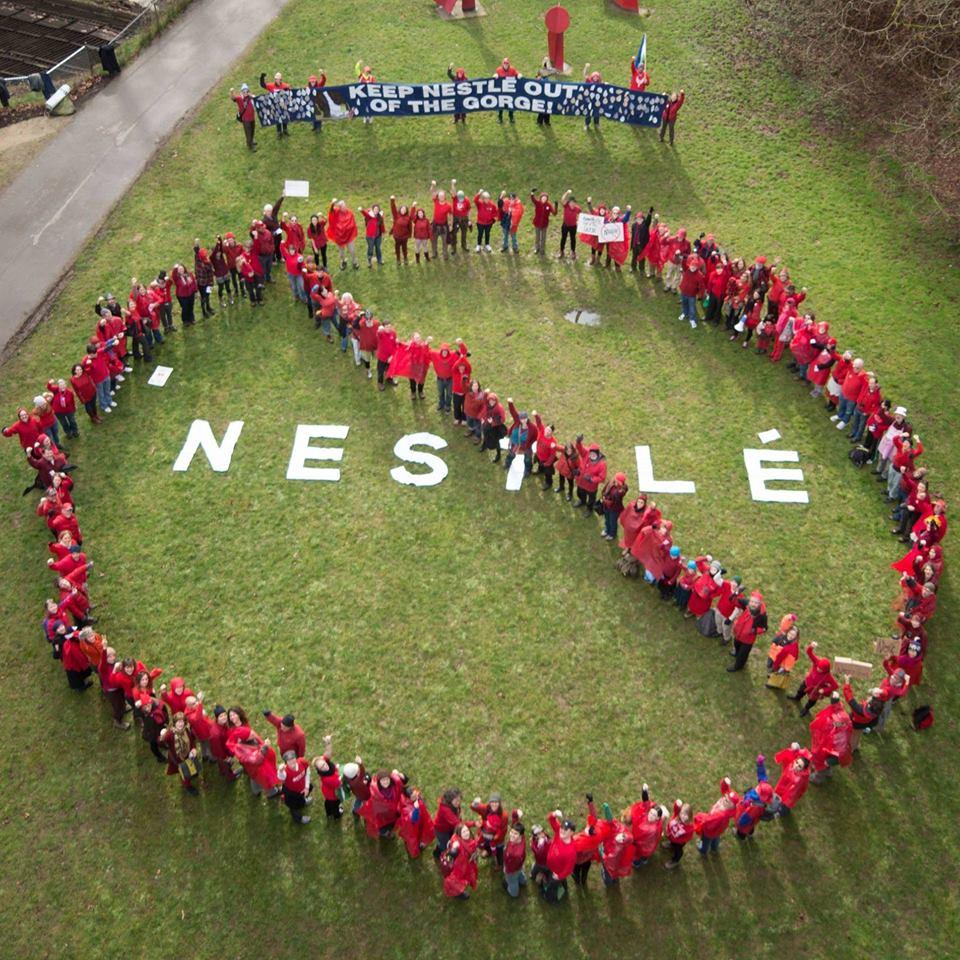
244, 88
900, 411
349, 770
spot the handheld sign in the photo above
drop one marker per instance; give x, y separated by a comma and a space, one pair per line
589, 224
160, 376
611, 232
296, 188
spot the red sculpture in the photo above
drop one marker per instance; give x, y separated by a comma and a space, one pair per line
557, 20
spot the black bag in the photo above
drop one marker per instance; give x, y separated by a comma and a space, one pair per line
859, 456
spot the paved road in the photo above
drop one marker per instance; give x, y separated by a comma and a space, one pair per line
53, 206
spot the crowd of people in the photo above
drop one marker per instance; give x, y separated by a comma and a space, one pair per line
316, 82
759, 297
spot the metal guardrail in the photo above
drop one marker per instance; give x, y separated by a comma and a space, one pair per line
85, 59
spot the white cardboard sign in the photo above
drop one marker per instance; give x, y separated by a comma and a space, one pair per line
589, 224
296, 188
160, 376
611, 232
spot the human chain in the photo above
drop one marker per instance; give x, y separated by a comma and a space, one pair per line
172, 719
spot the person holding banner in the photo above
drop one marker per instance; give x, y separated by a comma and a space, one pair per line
275, 87
365, 75
594, 115
455, 76
670, 111
506, 69
639, 78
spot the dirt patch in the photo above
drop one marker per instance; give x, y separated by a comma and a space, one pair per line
20, 143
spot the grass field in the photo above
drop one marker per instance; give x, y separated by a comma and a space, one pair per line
462, 633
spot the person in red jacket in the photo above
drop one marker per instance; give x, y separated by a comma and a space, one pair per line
646, 820
86, 391
295, 786
317, 236
492, 428
461, 218
639, 78
416, 827
521, 436
593, 471
25, 428
440, 223
868, 402
547, 451
75, 663
290, 735
401, 229
357, 781
616, 848
817, 684
568, 229
459, 864
711, 825
175, 696
830, 733
245, 114
750, 624
373, 231
330, 783
386, 345
366, 339
200, 724
543, 209
342, 230
611, 500
381, 811
515, 856
680, 831
443, 361
506, 69
258, 759
274, 87
853, 381
692, 287
457, 75
493, 826
794, 778
487, 215
447, 820
561, 857
422, 231
669, 118
462, 369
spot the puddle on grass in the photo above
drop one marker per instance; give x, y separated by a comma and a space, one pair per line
585, 318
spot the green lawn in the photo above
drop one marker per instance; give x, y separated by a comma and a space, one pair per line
463, 633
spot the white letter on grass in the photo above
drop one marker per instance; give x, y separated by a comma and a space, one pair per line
302, 451
200, 436
649, 485
404, 449
758, 475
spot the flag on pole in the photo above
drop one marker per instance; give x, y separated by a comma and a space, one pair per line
640, 61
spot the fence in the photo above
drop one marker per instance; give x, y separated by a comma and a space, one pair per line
85, 60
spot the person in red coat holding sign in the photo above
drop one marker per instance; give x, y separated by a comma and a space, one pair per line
342, 230
669, 118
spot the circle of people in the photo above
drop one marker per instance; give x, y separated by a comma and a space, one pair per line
758, 297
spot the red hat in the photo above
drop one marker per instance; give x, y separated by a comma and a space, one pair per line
311, 79
756, 595
761, 259
228, 236
593, 448
765, 791
620, 477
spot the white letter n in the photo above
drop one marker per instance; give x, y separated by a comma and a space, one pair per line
200, 436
